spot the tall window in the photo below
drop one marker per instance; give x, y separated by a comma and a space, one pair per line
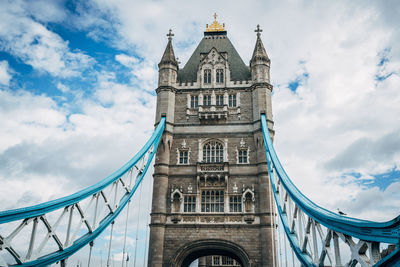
219, 100
235, 203
220, 76
213, 152
242, 156
207, 100
194, 101
232, 100
183, 157
207, 76
189, 204
212, 201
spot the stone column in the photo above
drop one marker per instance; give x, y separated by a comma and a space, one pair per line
159, 205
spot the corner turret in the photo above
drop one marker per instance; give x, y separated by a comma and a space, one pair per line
260, 63
168, 66
167, 78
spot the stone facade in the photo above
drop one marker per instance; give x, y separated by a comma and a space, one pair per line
211, 189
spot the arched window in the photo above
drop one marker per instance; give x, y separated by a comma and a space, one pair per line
220, 76
213, 152
207, 76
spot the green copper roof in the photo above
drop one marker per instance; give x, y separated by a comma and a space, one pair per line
239, 70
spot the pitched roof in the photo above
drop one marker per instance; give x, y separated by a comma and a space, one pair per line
219, 40
169, 55
259, 50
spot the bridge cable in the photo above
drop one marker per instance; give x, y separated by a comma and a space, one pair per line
126, 229
109, 244
148, 224
137, 226
278, 229
126, 222
272, 213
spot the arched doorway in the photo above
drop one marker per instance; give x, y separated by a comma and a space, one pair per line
191, 251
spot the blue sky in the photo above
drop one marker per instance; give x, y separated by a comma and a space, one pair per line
77, 99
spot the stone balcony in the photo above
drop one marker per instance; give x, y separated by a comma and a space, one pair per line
213, 112
212, 173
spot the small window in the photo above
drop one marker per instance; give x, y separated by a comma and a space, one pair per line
207, 76
219, 100
216, 260
232, 100
242, 156
183, 157
235, 204
194, 101
227, 260
207, 100
212, 201
220, 76
189, 204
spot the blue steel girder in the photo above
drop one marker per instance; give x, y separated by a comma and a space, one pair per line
113, 183
346, 228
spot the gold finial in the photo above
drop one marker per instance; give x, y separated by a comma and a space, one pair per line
215, 26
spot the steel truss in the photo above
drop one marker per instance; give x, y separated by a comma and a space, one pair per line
318, 236
57, 229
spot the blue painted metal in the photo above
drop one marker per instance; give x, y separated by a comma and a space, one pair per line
392, 260
37, 210
303, 257
86, 239
385, 232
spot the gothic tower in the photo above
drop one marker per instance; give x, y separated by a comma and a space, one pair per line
211, 197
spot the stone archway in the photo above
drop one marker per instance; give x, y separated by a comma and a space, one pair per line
191, 251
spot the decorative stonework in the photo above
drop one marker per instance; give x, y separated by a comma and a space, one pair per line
222, 106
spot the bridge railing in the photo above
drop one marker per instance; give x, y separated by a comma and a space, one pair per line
51, 232
317, 235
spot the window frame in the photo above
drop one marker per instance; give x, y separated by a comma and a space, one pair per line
207, 100
219, 100
243, 156
235, 203
213, 152
183, 157
207, 76
189, 204
219, 76
232, 100
194, 101
212, 201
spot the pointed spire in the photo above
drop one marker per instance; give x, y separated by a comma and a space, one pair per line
259, 50
169, 55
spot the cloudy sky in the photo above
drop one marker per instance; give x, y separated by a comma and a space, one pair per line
77, 99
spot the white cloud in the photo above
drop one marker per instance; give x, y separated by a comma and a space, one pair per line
339, 112
35, 45
338, 44
126, 60
5, 75
63, 88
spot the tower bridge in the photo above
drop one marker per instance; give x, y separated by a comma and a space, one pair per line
220, 194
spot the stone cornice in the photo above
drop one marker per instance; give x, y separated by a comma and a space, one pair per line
165, 88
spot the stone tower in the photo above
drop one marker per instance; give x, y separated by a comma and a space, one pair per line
211, 196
